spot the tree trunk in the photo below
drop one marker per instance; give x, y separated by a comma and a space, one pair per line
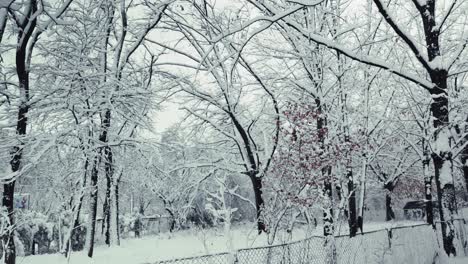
428, 190
446, 203
107, 153
114, 230
362, 195
463, 132
257, 187
322, 129
252, 172
442, 159
105, 214
25, 32
173, 220
108, 201
389, 214
442, 154
8, 238
352, 220
76, 213
328, 229
465, 171
464, 162
91, 231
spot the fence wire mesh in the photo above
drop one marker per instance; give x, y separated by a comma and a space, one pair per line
407, 244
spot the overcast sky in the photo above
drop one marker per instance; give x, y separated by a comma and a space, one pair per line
170, 114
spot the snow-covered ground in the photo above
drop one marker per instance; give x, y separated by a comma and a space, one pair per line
460, 260
181, 244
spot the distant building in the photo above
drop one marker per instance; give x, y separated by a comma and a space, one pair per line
416, 210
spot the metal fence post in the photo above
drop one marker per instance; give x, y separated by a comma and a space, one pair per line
389, 236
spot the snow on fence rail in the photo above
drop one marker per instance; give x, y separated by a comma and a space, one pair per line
416, 244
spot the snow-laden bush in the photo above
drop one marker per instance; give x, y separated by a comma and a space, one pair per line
131, 223
64, 222
34, 230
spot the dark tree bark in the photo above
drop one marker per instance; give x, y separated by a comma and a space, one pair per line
328, 228
443, 158
114, 226
117, 213
259, 203
76, 212
167, 205
389, 213
440, 112
322, 129
252, 168
107, 154
445, 202
428, 189
105, 212
173, 221
93, 206
108, 200
25, 31
352, 209
8, 192
464, 160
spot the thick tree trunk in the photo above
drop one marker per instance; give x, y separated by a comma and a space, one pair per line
257, 187
105, 215
108, 201
352, 220
173, 220
389, 213
91, 230
442, 154
25, 32
106, 152
446, 203
428, 190
8, 238
114, 230
465, 171
464, 152
464, 162
167, 205
322, 129
442, 159
328, 228
9, 188
252, 171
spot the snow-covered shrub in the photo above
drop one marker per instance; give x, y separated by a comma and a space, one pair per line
34, 231
78, 238
64, 222
40, 234
200, 218
131, 223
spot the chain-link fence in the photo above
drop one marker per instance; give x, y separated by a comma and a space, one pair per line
416, 244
